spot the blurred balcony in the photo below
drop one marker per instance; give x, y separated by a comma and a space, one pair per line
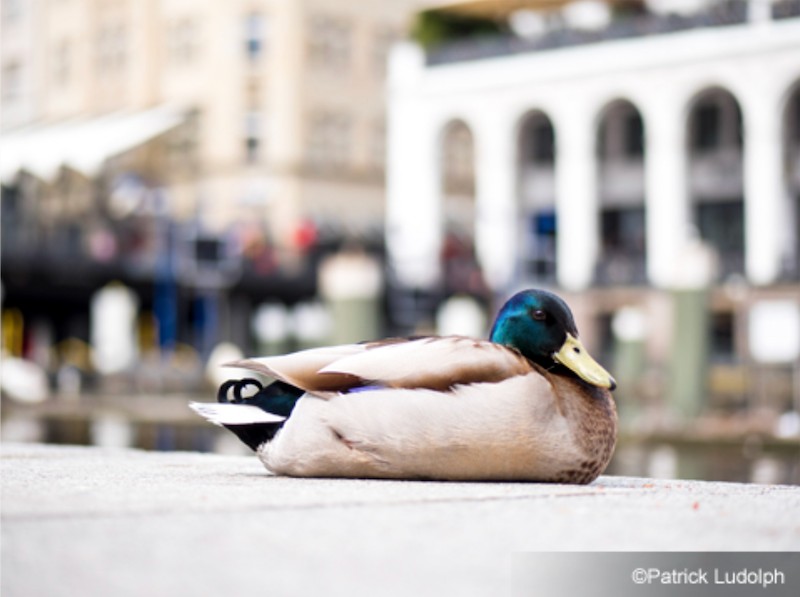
716, 173
621, 25
621, 268
57, 258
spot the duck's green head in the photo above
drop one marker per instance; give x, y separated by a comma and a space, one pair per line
540, 325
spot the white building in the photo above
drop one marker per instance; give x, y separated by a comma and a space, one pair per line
600, 150
717, 107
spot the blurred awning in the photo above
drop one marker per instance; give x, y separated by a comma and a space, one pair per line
82, 144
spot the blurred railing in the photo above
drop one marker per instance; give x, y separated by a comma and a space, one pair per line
720, 14
137, 253
539, 270
55, 254
786, 9
618, 268
731, 263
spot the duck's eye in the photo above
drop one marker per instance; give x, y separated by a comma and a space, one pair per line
538, 315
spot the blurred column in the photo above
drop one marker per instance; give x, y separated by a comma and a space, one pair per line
113, 329
688, 368
759, 11
110, 430
774, 340
165, 287
413, 175
350, 284
767, 223
496, 202
206, 320
576, 195
629, 326
270, 326
666, 185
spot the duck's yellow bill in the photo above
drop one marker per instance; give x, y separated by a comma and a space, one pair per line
575, 357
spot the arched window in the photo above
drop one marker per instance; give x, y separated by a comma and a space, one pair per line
536, 191
620, 153
715, 139
461, 271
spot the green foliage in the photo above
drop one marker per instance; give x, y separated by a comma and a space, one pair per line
434, 27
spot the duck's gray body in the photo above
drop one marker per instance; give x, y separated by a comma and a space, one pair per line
404, 434
444, 408
528, 405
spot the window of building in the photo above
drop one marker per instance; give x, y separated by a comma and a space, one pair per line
12, 82
62, 57
623, 230
378, 146
723, 337
721, 224
537, 141
541, 232
707, 127
254, 35
253, 94
252, 137
329, 42
182, 143
111, 48
458, 159
622, 233
621, 134
634, 135
605, 340
540, 139
182, 42
329, 140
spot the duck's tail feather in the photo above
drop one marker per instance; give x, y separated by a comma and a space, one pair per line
254, 419
234, 414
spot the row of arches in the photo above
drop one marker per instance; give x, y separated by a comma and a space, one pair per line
714, 140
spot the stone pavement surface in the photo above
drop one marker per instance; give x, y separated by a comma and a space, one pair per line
103, 522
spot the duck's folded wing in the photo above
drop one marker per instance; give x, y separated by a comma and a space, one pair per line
437, 363
302, 369
432, 363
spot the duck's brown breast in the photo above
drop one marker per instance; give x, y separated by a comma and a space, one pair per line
592, 417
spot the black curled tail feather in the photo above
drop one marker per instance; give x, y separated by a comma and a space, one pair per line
277, 398
236, 386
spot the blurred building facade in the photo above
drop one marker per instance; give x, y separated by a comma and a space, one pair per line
204, 153
285, 98
619, 151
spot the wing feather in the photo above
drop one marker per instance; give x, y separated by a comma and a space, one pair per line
302, 369
433, 363
436, 363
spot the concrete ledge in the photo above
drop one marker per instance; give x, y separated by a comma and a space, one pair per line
131, 523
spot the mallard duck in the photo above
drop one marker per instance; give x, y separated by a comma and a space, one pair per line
528, 404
